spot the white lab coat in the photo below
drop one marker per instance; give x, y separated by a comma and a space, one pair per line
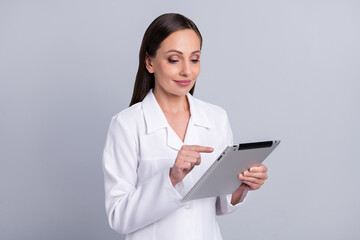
140, 149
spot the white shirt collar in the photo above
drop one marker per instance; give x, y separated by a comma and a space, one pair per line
155, 118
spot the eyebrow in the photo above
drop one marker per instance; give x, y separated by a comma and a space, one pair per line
179, 52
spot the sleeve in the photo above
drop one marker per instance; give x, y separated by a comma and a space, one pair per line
130, 207
223, 203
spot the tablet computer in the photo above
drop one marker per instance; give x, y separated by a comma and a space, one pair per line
222, 176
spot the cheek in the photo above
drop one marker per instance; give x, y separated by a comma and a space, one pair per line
167, 70
196, 70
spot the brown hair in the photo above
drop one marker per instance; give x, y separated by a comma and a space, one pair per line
157, 31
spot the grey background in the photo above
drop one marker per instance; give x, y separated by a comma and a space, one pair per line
282, 69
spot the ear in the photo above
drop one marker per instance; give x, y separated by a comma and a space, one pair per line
148, 64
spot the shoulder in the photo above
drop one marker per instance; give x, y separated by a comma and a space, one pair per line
127, 124
129, 119
129, 114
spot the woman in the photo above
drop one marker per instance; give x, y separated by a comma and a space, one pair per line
161, 145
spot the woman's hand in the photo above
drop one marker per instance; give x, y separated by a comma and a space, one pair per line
187, 158
251, 179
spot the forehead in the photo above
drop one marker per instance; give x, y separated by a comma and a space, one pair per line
183, 40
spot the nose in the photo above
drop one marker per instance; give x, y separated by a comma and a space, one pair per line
185, 69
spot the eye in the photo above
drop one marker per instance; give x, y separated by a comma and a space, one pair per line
171, 60
195, 60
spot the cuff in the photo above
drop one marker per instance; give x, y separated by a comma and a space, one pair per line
224, 206
242, 199
184, 186
174, 193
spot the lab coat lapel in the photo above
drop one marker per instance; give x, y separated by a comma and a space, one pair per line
198, 118
155, 120
173, 140
198, 114
154, 117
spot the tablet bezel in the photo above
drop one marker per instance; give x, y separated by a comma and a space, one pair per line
222, 176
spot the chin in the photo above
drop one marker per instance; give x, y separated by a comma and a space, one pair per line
180, 93
176, 90
183, 91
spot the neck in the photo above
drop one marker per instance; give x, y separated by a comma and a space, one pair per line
171, 103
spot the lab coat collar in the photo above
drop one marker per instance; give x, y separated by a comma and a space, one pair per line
198, 115
155, 118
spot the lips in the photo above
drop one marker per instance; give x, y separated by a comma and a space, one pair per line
183, 83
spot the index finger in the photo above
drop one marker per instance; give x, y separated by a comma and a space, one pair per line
201, 149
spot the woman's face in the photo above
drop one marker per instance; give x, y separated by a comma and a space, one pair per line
176, 64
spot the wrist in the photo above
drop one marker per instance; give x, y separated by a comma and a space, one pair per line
236, 196
173, 179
